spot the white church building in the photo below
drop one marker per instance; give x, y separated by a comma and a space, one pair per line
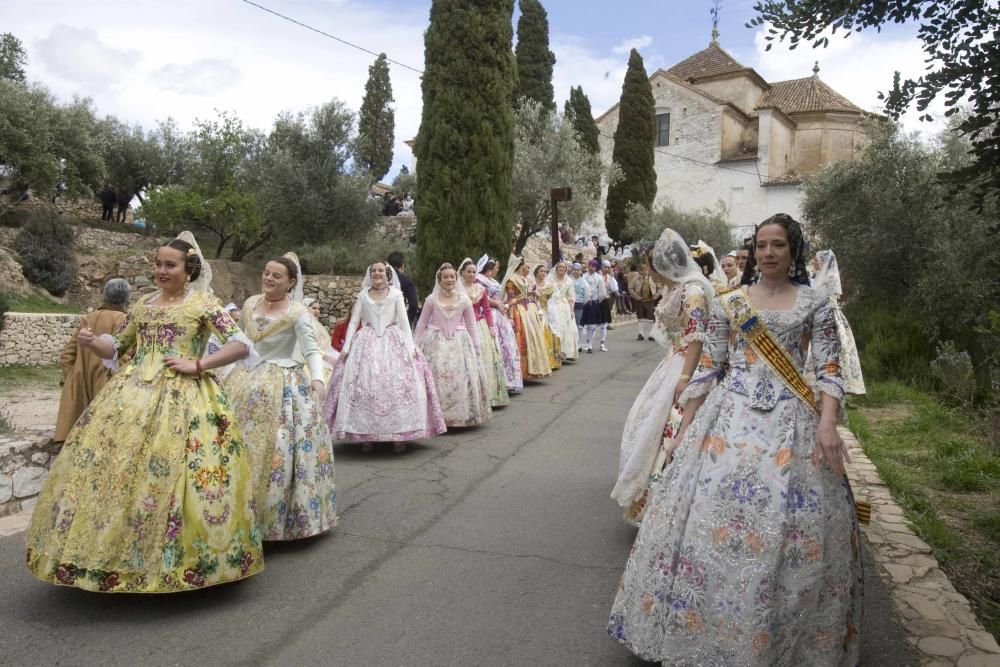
724, 134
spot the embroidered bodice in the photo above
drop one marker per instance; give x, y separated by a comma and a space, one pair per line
564, 290
181, 330
730, 359
520, 290
379, 315
448, 318
544, 293
282, 340
682, 315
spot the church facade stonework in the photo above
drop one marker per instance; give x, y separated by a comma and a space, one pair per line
725, 135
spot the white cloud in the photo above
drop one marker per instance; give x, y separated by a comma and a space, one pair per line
78, 55
201, 77
634, 43
858, 67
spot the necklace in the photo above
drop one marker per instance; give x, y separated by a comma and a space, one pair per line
773, 291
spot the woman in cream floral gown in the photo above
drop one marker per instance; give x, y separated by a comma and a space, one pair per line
561, 309
749, 553
280, 410
654, 418
152, 491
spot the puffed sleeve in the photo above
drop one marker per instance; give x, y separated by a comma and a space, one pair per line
352, 326
713, 354
222, 324
121, 340
696, 315
826, 352
484, 303
305, 335
404, 323
425, 317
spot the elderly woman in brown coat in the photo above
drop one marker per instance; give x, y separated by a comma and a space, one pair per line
83, 373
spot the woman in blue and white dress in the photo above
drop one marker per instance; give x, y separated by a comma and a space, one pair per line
749, 553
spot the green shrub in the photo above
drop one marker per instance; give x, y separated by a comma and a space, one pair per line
353, 258
45, 248
891, 345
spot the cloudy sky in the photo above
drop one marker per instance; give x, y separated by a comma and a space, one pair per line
146, 60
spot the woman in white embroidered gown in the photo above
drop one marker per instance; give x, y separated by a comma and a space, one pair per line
654, 418
827, 280
447, 335
749, 553
561, 311
279, 409
506, 338
381, 388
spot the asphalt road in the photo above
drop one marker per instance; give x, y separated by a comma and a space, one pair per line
488, 546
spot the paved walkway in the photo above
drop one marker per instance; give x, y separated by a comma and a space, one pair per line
494, 546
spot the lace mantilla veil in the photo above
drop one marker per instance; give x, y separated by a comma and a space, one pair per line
204, 282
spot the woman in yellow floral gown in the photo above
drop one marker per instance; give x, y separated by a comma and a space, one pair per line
522, 298
545, 289
151, 492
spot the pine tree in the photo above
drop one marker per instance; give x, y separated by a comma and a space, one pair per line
534, 59
12, 58
633, 152
577, 111
465, 146
376, 122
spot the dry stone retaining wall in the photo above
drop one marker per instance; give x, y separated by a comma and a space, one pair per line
35, 339
24, 463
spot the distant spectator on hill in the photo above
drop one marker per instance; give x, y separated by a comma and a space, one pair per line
123, 199
392, 207
108, 199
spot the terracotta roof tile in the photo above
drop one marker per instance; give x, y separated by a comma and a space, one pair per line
803, 95
707, 62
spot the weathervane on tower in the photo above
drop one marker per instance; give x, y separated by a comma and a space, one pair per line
715, 11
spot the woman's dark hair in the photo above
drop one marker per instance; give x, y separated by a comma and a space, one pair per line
797, 247
396, 259
293, 271
490, 265
706, 263
192, 262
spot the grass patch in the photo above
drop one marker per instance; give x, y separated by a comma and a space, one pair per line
946, 477
19, 377
35, 303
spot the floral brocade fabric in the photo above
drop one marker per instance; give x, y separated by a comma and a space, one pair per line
151, 492
749, 554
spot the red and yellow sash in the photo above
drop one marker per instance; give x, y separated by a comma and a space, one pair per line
743, 316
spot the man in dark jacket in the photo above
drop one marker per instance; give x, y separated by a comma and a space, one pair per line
123, 199
108, 198
406, 286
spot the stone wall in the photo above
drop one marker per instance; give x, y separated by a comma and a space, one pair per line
35, 339
334, 293
24, 463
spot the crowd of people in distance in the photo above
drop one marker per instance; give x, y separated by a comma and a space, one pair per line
215, 431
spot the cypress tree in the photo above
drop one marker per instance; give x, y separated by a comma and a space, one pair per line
465, 146
633, 152
577, 111
534, 59
376, 122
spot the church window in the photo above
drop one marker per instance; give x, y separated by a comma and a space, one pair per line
663, 129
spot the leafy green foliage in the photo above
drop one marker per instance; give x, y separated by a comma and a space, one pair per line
961, 44
709, 225
12, 58
376, 123
45, 249
577, 111
534, 59
900, 238
353, 259
633, 151
465, 146
547, 155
